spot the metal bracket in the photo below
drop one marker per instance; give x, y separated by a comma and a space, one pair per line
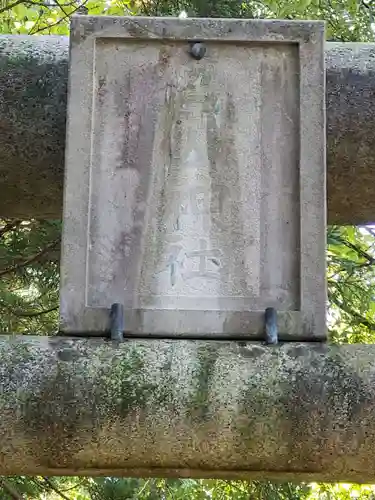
117, 322
271, 325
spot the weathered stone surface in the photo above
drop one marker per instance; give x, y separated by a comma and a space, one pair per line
33, 84
195, 190
187, 409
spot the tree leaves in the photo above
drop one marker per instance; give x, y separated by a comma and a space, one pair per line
351, 283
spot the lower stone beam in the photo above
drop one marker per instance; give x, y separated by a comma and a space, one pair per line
186, 408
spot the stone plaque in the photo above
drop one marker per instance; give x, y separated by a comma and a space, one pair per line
195, 188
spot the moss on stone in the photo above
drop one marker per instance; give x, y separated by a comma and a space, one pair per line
80, 405
125, 385
199, 403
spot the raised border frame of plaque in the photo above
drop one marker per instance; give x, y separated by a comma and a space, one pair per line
257, 98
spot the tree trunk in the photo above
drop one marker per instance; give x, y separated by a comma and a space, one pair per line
33, 84
187, 409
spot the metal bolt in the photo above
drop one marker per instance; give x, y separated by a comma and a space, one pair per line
271, 326
117, 322
197, 50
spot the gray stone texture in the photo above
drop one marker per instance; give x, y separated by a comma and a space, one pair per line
33, 85
187, 409
195, 190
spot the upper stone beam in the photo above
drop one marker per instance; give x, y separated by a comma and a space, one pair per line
33, 90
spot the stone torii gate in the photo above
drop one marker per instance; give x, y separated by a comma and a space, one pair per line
191, 407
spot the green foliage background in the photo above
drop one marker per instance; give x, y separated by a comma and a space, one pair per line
29, 266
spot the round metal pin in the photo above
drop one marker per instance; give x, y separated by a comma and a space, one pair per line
197, 50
